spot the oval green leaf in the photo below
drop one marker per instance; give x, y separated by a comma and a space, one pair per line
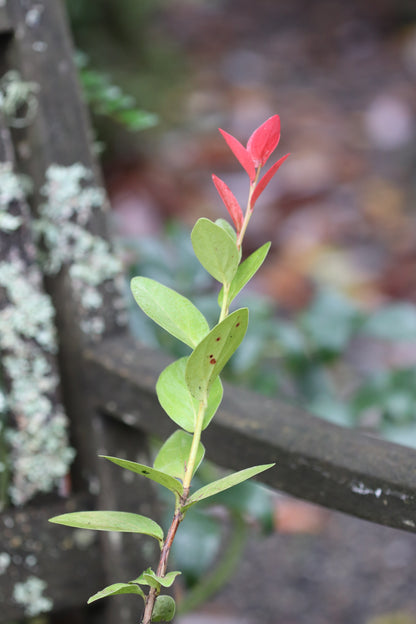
164, 609
172, 311
215, 249
226, 482
111, 521
175, 398
227, 227
150, 473
247, 269
115, 589
211, 355
174, 454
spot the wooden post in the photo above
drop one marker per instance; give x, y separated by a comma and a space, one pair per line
54, 149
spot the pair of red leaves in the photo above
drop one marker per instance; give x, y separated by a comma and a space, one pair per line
260, 146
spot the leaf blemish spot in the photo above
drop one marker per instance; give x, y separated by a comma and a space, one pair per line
218, 339
213, 361
237, 324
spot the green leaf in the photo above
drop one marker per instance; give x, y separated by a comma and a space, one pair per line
137, 119
174, 454
245, 272
160, 477
215, 249
175, 398
149, 577
394, 322
225, 483
175, 313
330, 322
164, 609
227, 227
111, 521
213, 352
115, 589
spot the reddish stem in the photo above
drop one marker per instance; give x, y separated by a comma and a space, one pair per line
162, 567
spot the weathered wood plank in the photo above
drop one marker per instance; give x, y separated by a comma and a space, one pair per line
124, 555
59, 135
335, 467
53, 147
71, 563
27, 345
66, 560
5, 24
42, 52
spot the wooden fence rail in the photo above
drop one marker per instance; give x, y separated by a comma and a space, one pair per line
338, 468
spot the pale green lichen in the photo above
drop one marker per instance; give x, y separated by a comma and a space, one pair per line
39, 450
18, 99
5, 561
39, 445
29, 595
70, 200
12, 188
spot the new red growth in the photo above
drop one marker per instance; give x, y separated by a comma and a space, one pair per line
252, 158
230, 202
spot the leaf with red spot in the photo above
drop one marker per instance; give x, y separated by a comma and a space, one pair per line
211, 355
265, 180
230, 202
241, 153
264, 140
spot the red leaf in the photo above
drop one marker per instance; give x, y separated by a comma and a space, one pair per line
230, 202
240, 153
264, 140
265, 180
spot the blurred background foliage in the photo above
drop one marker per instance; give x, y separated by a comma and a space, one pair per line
120, 39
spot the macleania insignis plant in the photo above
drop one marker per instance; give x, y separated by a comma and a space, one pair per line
190, 390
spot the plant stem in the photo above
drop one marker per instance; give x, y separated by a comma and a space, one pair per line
194, 450
178, 515
249, 209
163, 564
225, 304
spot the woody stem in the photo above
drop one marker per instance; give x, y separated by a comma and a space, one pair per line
249, 209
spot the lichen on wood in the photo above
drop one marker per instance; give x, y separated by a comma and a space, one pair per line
30, 594
18, 99
70, 200
34, 425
